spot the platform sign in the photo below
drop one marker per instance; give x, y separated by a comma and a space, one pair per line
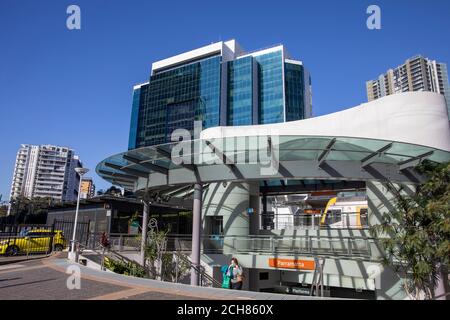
292, 264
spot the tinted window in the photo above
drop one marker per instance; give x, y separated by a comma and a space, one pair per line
263, 276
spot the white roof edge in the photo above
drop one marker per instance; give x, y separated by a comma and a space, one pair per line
189, 55
263, 51
138, 86
419, 118
293, 61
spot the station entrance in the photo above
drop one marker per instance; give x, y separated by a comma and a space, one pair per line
311, 204
284, 282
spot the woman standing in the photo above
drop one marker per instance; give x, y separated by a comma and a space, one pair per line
235, 273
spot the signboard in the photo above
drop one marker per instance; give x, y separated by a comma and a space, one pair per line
292, 264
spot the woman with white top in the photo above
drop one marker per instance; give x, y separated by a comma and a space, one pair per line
235, 273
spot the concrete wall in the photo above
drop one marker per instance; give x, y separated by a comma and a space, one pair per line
381, 201
231, 201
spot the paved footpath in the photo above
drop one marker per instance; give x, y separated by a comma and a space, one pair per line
46, 279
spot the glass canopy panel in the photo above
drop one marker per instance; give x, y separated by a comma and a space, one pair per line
440, 156
303, 143
291, 148
359, 144
386, 158
293, 155
117, 160
407, 150
150, 153
337, 155
273, 183
310, 181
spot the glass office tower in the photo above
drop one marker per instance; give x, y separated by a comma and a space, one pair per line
219, 85
240, 92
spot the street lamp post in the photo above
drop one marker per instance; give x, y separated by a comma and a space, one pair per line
81, 172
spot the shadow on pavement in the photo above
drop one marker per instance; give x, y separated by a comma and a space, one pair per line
25, 283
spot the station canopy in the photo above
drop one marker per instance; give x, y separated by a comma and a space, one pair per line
235, 158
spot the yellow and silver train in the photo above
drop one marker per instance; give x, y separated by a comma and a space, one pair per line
345, 212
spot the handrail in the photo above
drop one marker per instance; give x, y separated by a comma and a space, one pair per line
200, 270
263, 236
132, 262
355, 246
120, 257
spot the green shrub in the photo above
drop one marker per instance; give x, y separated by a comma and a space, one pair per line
126, 268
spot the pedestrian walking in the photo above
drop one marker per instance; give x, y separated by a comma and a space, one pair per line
236, 274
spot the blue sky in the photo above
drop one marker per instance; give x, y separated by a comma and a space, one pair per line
73, 88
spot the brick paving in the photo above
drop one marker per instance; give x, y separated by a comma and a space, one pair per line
46, 279
47, 284
34, 280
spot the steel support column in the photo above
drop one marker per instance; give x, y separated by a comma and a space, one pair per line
144, 231
196, 232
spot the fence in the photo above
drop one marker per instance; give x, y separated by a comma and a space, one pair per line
66, 227
215, 244
331, 246
31, 239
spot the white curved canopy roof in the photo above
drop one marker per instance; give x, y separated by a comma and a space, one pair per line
414, 117
380, 140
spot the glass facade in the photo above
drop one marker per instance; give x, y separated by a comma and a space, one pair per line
135, 115
240, 92
180, 116
255, 88
270, 76
177, 97
294, 86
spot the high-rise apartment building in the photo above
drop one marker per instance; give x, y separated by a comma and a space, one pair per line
219, 85
46, 171
416, 74
87, 188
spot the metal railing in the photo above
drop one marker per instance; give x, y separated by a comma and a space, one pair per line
253, 244
125, 242
283, 221
120, 241
258, 244
210, 281
332, 246
103, 252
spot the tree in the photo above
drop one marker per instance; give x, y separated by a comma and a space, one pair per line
416, 234
113, 190
3, 210
154, 250
164, 264
31, 210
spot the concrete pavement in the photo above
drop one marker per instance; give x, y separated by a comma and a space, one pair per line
46, 279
